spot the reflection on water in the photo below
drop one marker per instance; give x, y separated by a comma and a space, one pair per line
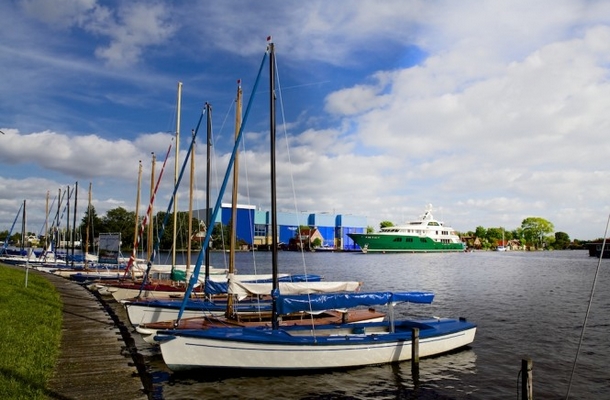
526, 305
394, 381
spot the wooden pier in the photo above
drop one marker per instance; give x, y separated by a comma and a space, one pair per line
96, 360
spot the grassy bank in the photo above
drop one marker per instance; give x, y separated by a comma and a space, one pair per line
30, 333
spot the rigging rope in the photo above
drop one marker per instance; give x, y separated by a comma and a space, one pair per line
582, 333
294, 196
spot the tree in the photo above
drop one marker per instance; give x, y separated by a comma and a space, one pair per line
121, 221
385, 224
494, 235
221, 235
480, 232
92, 223
562, 240
534, 229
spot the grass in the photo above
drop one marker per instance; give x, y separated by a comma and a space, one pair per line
30, 333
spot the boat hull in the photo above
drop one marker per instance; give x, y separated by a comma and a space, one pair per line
388, 243
286, 349
143, 312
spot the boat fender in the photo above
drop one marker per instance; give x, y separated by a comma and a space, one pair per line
163, 338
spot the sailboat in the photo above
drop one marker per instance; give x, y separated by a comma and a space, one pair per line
253, 308
310, 347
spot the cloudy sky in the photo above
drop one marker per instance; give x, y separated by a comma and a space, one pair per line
490, 111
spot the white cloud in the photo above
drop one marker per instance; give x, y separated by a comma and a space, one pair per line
505, 116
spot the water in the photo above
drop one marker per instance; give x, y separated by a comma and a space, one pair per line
526, 305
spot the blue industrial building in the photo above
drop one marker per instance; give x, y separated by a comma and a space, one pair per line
254, 226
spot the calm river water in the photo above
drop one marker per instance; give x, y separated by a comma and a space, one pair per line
526, 305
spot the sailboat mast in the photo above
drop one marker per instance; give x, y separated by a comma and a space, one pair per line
73, 236
233, 240
56, 237
208, 177
274, 247
190, 219
178, 107
134, 249
23, 230
149, 242
89, 220
46, 222
67, 236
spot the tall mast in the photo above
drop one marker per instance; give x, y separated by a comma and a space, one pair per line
208, 110
232, 243
56, 237
67, 236
46, 223
136, 231
89, 220
150, 210
23, 229
190, 218
178, 106
275, 286
73, 235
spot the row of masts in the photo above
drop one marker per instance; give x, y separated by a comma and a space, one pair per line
64, 198
149, 216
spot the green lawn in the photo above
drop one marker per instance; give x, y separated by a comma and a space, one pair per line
30, 333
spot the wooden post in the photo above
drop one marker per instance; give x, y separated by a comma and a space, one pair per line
415, 352
527, 391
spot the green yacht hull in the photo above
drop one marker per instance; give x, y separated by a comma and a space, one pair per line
371, 242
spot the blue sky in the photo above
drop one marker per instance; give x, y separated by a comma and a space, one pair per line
490, 111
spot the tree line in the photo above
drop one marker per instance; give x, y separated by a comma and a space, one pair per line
534, 232
119, 220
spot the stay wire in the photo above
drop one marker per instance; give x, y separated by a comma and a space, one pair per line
584, 325
294, 195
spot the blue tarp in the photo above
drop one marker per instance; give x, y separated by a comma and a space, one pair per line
319, 302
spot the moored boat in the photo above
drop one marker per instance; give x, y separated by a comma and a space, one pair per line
295, 348
423, 235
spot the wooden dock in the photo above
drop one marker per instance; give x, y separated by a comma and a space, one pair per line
96, 358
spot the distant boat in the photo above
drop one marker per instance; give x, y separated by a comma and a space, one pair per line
595, 249
423, 235
324, 248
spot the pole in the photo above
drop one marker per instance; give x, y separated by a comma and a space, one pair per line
274, 235
527, 391
73, 236
208, 178
415, 354
27, 257
178, 106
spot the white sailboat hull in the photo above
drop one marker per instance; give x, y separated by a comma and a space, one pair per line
142, 314
184, 353
123, 293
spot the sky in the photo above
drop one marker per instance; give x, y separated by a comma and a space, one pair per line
492, 112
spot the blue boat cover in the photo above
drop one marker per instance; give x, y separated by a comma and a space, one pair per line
287, 304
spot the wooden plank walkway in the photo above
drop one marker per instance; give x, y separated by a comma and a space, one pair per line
96, 361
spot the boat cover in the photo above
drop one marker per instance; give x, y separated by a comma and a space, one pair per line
213, 286
287, 304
